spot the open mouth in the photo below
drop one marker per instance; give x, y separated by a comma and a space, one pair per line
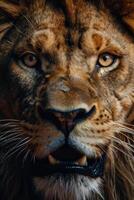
67, 160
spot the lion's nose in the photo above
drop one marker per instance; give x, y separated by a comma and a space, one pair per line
66, 121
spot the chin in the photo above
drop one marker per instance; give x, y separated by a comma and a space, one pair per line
68, 186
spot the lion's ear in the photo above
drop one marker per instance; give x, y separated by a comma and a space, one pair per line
128, 13
9, 10
124, 9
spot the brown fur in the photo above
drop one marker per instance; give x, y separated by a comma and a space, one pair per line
68, 36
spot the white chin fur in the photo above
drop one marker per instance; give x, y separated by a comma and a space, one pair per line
77, 187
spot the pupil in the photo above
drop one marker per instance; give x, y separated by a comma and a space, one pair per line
105, 57
31, 58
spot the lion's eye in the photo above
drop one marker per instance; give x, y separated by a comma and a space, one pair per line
106, 60
29, 60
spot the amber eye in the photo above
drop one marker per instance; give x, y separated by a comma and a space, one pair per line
106, 60
29, 60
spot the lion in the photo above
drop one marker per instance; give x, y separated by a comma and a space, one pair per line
66, 100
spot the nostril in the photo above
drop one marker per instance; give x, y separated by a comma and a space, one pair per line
65, 121
83, 114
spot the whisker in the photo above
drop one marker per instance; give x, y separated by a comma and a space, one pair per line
121, 151
16, 148
17, 29
9, 135
125, 123
125, 128
34, 158
129, 131
26, 155
19, 143
8, 141
104, 151
9, 125
130, 180
125, 136
29, 20
124, 145
11, 131
122, 141
9, 120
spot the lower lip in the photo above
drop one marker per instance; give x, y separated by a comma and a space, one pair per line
95, 170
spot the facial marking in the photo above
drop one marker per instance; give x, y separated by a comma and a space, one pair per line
43, 39
98, 41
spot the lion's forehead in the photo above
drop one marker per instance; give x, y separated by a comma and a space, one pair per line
92, 32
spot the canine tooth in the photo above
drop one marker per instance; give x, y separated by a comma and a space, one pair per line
52, 160
82, 161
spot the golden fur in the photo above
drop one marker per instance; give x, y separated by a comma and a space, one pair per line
69, 36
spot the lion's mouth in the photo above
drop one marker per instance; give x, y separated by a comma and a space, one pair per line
67, 160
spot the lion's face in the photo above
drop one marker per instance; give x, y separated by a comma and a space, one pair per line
69, 93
